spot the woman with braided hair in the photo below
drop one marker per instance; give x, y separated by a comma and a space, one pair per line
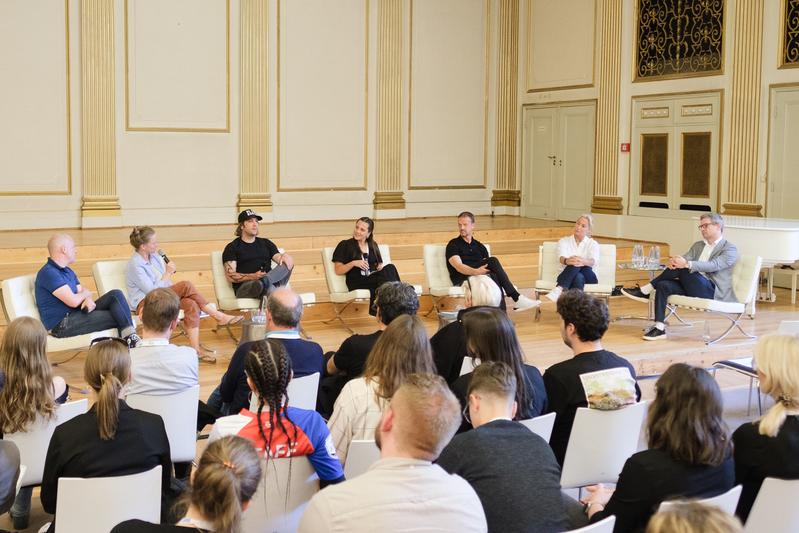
276, 429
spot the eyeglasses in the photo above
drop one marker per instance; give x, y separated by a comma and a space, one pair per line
121, 341
705, 226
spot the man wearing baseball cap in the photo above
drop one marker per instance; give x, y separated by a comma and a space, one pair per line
248, 260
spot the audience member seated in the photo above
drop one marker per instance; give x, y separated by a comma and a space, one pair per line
30, 391
491, 336
148, 269
578, 255
9, 475
769, 447
449, 343
283, 314
66, 308
282, 430
111, 439
693, 517
689, 453
403, 349
506, 463
394, 299
584, 320
360, 261
225, 481
404, 490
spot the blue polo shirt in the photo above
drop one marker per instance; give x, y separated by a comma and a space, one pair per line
51, 277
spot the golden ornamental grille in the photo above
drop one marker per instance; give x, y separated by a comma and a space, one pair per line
790, 51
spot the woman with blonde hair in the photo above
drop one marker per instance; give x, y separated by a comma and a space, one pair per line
150, 269
769, 446
111, 439
578, 255
222, 487
693, 517
401, 350
30, 392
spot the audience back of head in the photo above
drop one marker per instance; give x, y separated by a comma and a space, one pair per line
693, 517
777, 358
285, 308
587, 314
107, 370
396, 298
268, 366
160, 309
482, 290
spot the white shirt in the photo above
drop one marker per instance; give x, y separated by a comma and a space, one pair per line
356, 414
706, 251
588, 248
396, 495
160, 368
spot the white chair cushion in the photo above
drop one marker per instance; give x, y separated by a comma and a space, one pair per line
549, 268
598, 288
706, 304
341, 297
544, 285
453, 291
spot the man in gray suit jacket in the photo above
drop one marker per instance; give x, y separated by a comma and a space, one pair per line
704, 272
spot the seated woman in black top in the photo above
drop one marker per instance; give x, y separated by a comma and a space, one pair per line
359, 260
222, 486
769, 447
689, 454
111, 439
491, 336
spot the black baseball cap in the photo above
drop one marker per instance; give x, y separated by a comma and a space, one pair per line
248, 214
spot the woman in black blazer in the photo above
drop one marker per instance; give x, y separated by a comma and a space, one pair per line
689, 455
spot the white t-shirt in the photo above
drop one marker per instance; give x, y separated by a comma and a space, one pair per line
588, 248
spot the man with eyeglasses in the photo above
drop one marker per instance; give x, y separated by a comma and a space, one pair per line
705, 271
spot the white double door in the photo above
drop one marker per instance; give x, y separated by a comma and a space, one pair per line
558, 160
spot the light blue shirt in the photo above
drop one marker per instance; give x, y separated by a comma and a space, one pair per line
143, 276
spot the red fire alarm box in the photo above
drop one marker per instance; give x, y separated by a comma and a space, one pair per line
625, 147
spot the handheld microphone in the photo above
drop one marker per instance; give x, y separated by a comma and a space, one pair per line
163, 256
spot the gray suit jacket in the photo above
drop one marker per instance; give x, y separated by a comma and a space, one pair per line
718, 268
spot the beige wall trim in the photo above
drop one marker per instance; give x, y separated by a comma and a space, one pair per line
606, 162
98, 141
745, 103
607, 205
506, 197
258, 202
389, 200
389, 97
507, 90
748, 210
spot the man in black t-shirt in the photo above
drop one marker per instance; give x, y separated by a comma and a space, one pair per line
248, 260
466, 256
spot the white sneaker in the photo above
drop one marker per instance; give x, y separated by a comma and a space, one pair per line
554, 294
524, 303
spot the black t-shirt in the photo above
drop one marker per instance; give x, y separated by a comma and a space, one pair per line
351, 356
140, 526
250, 257
472, 254
349, 250
449, 346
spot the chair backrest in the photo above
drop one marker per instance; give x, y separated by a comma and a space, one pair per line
541, 425
110, 275
301, 392
726, 501
745, 276
96, 505
775, 508
603, 526
435, 266
286, 488
335, 282
548, 264
222, 287
179, 412
19, 297
360, 456
600, 443
385, 253
33, 443
606, 272
469, 364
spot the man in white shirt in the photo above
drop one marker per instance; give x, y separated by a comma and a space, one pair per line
404, 490
705, 271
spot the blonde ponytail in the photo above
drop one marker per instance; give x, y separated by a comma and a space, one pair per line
777, 358
107, 370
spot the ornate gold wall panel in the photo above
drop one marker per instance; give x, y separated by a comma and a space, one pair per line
98, 146
745, 114
388, 190
507, 192
789, 56
254, 178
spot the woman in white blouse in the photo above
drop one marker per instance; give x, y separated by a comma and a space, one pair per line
578, 255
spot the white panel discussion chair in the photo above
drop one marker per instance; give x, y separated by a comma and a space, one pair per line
541, 425
437, 275
33, 443
605, 525
726, 501
745, 277
19, 300
599, 444
286, 488
337, 287
385, 254
301, 392
96, 505
360, 456
179, 413
775, 508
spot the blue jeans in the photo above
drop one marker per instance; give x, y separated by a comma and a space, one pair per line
574, 277
215, 401
258, 288
679, 281
112, 311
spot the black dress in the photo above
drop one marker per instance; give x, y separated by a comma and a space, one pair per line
349, 250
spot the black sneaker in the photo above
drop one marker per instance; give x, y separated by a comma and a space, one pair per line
133, 340
655, 334
20, 521
636, 294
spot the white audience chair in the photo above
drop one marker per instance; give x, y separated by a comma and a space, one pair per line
599, 444
22, 470
605, 525
179, 413
19, 299
33, 443
96, 505
745, 278
337, 287
727, 501
788, 327
469, 364
283, 494
385, 254
301, 392
360, 456
541, 425
775, 508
